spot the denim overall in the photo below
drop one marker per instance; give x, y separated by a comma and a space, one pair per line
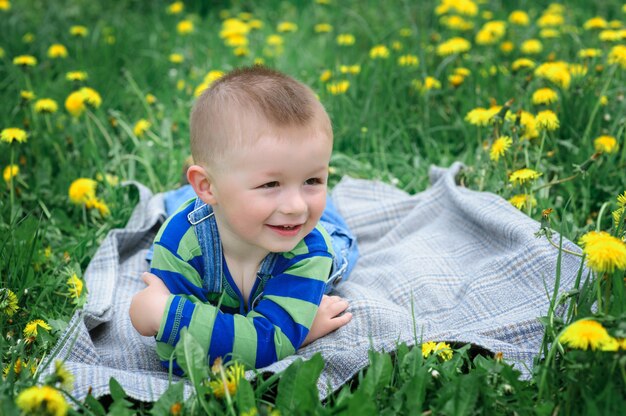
205, 227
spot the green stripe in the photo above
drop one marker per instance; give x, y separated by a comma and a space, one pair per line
166, 260
201, 324
316, 268
188, 247
283, 346
245, 343
327, 239
300, 310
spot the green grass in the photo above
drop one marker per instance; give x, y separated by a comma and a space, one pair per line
385, 128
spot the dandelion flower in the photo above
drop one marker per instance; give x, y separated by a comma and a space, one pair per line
547, 120
455, 79
79, 31
595, 23
443, 350
176, 58
31, 328
350, 69
10, 172
255, 24
379, 52
27, 95
99, 205
91, 97
524, 175
577, 70
453, 46
531, 47
408, 60
481, 116
585, 333
499, 147
17, 368
522, 63
184, 27
605, 144
275, 40
57, 51
286, 27
428, 348
507, 47
175, 8
519, 18
13, 134
75, 286
150, 99
25, 60
549, 33
589, 53
326, 75
551, 20
231, 377
75, 103
46, 105
491, 32
338, 88
323, 28
345, 39
5, 5
8, 302
522, 200
141, 127
464, 7
76, 76
545, 96
429, 83
604, 252
556, 72
63, 376
617, 55
456, 22
82, 190
36, 399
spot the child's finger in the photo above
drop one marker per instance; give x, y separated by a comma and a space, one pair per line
338, 307
148, 278
340, 321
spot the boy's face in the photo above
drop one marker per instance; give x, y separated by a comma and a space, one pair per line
271, 193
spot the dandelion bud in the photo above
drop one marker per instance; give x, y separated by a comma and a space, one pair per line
435, 374
507, 388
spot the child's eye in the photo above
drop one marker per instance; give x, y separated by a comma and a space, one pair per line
314, 181
272, 184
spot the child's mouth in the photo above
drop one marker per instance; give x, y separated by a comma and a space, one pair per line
286, 230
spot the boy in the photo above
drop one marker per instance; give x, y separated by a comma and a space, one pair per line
252, 242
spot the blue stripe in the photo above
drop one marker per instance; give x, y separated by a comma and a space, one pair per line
179, 285
222, 337
176, 228
315, 241
185, 318
198, 264
265, 348
171, 316
280, 318
289, 286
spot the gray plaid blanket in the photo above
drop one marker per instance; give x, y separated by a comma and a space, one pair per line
466, 263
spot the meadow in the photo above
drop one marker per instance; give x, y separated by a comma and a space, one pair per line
529, 95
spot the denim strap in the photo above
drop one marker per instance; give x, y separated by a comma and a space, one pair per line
203, 220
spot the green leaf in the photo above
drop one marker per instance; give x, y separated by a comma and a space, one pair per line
193, 360
173, 395
94, 405
361, 404
116, 390
245, 396
297, 388
378, 374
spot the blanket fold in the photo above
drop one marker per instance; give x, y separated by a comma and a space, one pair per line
467, 263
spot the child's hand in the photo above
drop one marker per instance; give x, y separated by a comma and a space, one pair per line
328, 318
148, 305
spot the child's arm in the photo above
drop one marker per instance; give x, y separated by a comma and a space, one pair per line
330, 316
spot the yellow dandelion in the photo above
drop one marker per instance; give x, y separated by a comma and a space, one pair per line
10, 172
8, 302
605, 144
345, 39
604, 252
464, 7
81, 190
255, 24
75, 286
275, 40
595, 23
234, 28
524, 175
429, 83
455, 79
338, 88
350, 69
589, 53
464, 72
556, 72
57, 51
46, 105
522, 63
323, 28
184, 27
13, 134
176, 58
519, 18
31, 328
507, 47
175, 8
547, 120
621, 199
545, 96
456, 22
443, 350
99, 205
577, 70
551, 20
617, 55
5, 5
27, 95
25, 60
453, 46
499, 147
28, 37
611, 35
481, 116
91, 97
76, 76
428, 348
531, 47
521, 201
79, 31
17, 368
584, 334
63, 376
549, 33
228, 380
326, 75
284, 27
150, 99
408, 60
379, 52
75, 103
42, 399
141, 127
491, 32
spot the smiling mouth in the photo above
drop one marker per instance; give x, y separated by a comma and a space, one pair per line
286, 229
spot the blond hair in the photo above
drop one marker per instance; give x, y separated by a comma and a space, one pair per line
246, 102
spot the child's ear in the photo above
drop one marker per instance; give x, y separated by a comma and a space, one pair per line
201, 183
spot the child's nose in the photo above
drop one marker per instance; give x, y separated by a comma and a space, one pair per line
293, 203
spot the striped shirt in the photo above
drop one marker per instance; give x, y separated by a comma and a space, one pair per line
283, 304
